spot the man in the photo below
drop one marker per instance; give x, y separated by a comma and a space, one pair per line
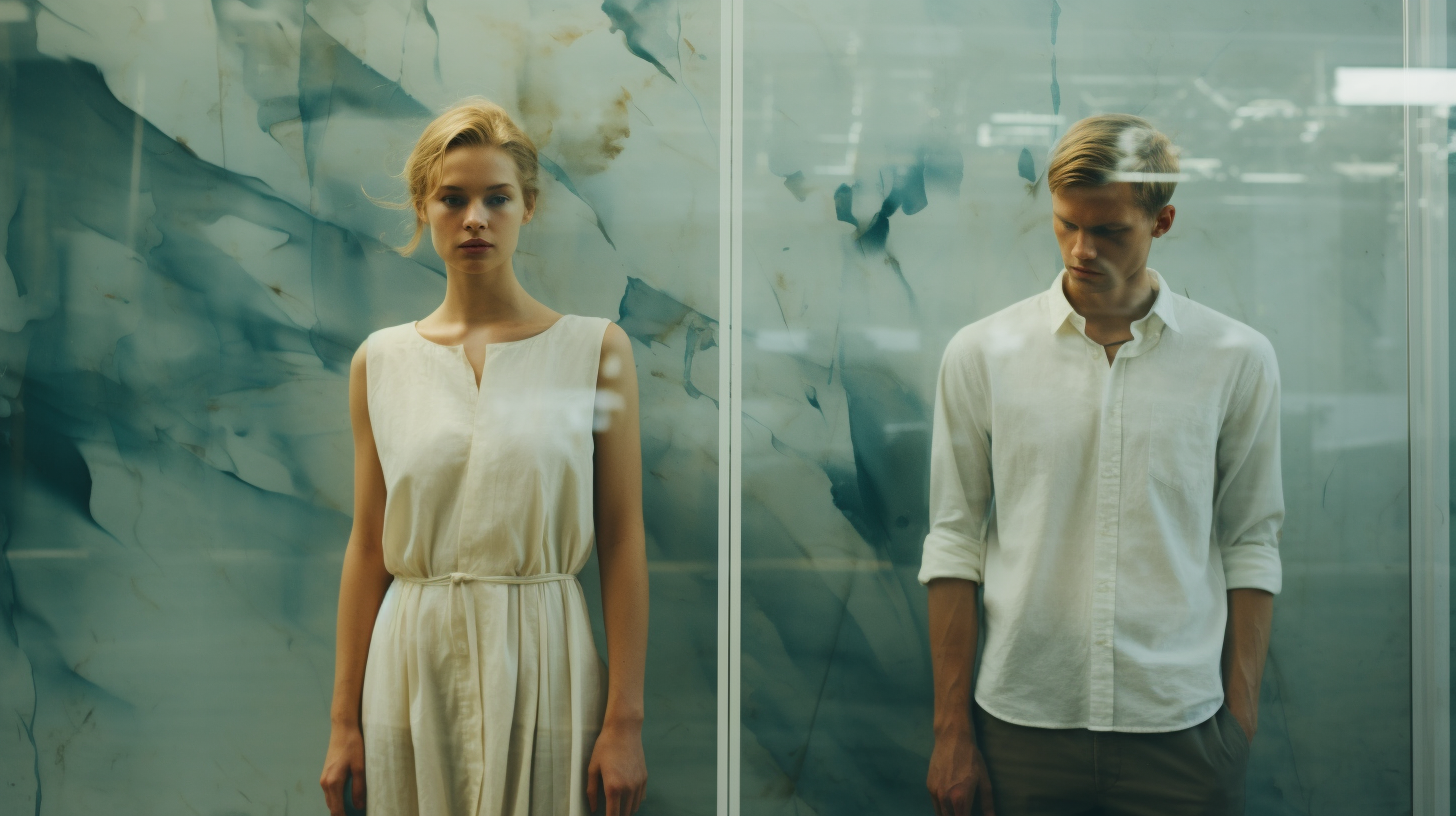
1105, 467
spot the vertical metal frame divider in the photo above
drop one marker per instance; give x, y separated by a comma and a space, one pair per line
730, 399
1428, 380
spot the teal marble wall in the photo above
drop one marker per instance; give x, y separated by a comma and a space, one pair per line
190, 257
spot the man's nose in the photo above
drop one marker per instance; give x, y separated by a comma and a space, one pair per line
1082, 247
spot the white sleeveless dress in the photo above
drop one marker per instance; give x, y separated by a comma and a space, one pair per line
483, 694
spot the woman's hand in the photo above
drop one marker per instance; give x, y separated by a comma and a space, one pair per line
345, 758
617, 775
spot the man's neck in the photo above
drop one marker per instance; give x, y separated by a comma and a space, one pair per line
1123, 304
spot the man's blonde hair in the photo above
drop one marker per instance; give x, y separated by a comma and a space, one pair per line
474, 121
1116, 147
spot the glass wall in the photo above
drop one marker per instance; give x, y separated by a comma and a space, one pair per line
895, 160
195, 247
191, 259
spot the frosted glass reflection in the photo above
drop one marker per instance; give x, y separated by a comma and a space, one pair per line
893, 196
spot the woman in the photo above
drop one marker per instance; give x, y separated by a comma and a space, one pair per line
494, 441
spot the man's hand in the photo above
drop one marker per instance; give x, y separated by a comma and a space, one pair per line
957, 773
1248, 717
1245, 645
958, 776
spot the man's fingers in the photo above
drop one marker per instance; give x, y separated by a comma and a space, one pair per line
988, 804
961, 803
593, 784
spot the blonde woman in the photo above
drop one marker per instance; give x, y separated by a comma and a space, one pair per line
495, 442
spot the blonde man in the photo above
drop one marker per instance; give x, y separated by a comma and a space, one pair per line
1128, 439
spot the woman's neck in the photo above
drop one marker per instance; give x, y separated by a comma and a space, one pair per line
486, 298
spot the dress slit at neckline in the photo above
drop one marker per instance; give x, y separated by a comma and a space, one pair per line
479, 381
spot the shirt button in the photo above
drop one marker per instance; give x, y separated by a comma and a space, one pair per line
1101, 643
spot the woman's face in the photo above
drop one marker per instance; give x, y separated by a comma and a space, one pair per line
476, 212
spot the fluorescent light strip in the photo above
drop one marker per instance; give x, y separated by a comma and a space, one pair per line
1395, 86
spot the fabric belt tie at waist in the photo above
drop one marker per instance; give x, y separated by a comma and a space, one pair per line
454, 580
467, 578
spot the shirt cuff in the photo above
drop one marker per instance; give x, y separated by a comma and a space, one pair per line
948, 555
1253, 566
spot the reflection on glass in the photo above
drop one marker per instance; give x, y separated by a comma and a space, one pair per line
896, 193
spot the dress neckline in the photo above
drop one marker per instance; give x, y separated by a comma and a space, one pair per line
415, 330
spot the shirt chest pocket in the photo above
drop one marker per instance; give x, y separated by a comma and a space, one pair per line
1182, 449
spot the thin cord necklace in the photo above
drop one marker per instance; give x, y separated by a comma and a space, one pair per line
1115, 343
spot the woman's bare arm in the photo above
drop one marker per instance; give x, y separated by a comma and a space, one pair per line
618, 769
361, 590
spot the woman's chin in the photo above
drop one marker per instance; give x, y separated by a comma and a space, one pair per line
474, 264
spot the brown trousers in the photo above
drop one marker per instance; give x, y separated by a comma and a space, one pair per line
1198, 771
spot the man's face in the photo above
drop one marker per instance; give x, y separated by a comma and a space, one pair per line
1104, 235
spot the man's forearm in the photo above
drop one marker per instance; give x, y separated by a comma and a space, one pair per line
954, 630
1245, 646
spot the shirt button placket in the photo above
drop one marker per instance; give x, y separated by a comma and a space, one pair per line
1104, 556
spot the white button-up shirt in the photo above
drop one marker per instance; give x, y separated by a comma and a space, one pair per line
1105, 509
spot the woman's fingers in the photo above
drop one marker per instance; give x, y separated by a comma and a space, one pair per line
358, 787
619, 798
332, 794
593, 784
613, 796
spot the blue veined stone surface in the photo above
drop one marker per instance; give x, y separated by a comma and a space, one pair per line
895, 189
190, 259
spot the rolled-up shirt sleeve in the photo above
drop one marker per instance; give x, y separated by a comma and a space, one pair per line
960, 468
1249, 502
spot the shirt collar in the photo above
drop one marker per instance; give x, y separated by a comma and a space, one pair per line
1059, 309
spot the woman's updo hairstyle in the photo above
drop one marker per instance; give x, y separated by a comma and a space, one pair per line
474, 121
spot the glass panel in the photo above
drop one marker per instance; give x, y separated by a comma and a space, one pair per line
192, 258
894, 194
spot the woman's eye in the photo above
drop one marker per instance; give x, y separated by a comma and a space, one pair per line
499, 201
453, 201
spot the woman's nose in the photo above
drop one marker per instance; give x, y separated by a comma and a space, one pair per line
475, 216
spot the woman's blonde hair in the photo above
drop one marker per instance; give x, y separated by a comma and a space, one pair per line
474, 121
1116, 147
